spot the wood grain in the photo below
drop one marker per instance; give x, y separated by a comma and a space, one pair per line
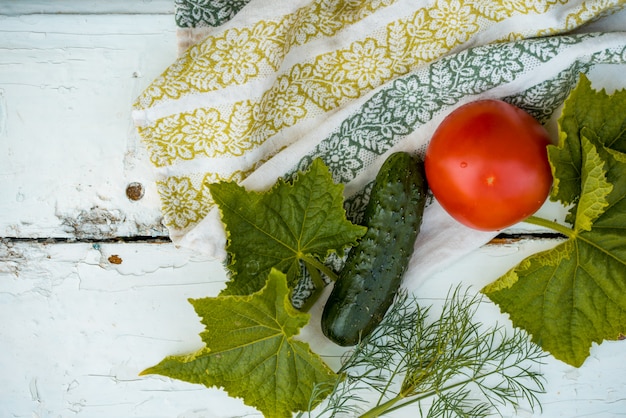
91, 290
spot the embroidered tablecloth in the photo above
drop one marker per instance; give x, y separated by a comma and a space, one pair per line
269, 86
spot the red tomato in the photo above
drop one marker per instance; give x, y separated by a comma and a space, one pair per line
487, 165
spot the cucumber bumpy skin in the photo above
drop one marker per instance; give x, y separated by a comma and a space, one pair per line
374, 268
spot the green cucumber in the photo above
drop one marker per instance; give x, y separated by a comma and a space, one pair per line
374, 268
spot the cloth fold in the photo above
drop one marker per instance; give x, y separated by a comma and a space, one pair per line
277, 85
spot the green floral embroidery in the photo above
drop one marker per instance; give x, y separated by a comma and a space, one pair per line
199, 13
343, 157
499, 66
541, 100
323, 85
414, 93
412, 100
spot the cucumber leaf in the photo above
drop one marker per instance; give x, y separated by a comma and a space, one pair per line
250, 351
596, 114
292, 223
574, 295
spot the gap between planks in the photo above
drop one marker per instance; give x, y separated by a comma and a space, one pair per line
500, 239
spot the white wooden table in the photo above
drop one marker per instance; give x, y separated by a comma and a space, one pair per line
91, 290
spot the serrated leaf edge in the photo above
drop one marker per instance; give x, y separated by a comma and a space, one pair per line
594, 187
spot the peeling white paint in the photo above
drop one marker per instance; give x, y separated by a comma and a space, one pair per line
80, 320
96, 223
67, 142
81, 330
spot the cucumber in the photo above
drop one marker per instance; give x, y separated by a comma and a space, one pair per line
374, 268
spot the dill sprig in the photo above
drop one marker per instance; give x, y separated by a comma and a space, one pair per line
451, 366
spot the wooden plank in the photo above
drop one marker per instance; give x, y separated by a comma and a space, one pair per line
25, 7
68, 147
80, 321
78, 328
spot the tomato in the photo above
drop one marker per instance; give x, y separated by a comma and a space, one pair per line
487, 164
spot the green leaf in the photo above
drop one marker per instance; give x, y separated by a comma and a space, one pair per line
595, 188
590, 112
574, 295
290, 223
250, 351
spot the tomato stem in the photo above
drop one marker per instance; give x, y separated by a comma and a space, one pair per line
535, 220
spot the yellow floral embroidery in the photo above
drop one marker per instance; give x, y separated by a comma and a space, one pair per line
182, 204
239, 54
165, 142
367, 64
531, 6
588, 11
453, 22
186, 200
323, 85
233, 57
283, 104
591, 10
204, 130
185, 136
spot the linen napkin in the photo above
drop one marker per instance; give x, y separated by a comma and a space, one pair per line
277, 84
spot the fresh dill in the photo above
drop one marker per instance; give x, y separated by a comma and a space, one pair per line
451, 366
